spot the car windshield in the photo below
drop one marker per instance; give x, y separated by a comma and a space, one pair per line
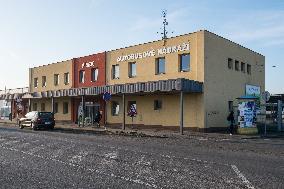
45, 114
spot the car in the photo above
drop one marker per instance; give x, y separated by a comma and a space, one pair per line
37, 119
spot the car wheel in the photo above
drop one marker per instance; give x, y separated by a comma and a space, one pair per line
33, 126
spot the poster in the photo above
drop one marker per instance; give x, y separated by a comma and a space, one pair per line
247, 114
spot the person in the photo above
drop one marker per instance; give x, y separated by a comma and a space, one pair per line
231, 119
98, 118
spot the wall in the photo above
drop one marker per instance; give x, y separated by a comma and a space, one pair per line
58, 116
222, 84
169, 114
80, 64
49, 71
146, 66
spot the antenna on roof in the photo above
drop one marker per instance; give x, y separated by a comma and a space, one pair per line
165, 24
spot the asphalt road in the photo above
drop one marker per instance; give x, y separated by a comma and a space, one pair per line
52, 159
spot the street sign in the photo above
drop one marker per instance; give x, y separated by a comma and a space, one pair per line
265, 96
132, 111
106, 96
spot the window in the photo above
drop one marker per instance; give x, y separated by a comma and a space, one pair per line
65, 108
115, 108
95, 73
35, 82
132, 69
243, 67
249, 69
34, 106
130, 103
230, 63
230, 106
157, 104
56, 79
160, 65
184, 63
237, 65
43, 81
42, 107
66, 78
82, 76
115, 71
55, 107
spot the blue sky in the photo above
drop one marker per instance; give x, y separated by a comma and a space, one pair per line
37, 32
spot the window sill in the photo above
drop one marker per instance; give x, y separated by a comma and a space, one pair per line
131, 76
116, 78
184, 70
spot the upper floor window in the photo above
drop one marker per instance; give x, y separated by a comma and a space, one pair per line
43, 81
230, 63
184, 64
237, 65
132, 69
36, 82
115, 71
243, 67
82, 76
66, 78
249, 69
160, 65
95, 73
56, 79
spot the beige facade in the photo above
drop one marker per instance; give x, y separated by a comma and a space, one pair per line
209, 56
52, 77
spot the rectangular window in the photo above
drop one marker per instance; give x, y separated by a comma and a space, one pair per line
160, 65
157, 104
130, 103
34, 106
95, 73
115, 108
65, 107
184, 62
43, 81
81, 76
237, 65
56, 79
243, 67
115, 71
55, 107
249, 69
66, 78
230, 63
36, 82
230, 106
132, 69
42, 107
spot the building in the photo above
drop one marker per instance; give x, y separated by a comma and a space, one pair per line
188, 82
46, 83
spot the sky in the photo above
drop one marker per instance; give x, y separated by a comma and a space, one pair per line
39, 32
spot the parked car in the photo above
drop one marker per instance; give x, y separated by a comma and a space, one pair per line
36, 120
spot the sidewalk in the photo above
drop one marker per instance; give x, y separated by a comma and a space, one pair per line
73, 128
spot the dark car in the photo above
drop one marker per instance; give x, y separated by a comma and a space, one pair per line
37, 120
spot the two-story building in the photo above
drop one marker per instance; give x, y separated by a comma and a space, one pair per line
189, 81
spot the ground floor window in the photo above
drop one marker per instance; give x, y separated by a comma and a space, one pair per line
55, 107
42, 107
157, 104
115, 108
34, 106
65, 108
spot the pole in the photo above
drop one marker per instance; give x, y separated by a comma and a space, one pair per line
52, 105
30, 108
123, 111
181, 113
279, 115
83, 111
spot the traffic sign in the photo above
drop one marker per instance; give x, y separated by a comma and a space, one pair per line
265, 96
106, 96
